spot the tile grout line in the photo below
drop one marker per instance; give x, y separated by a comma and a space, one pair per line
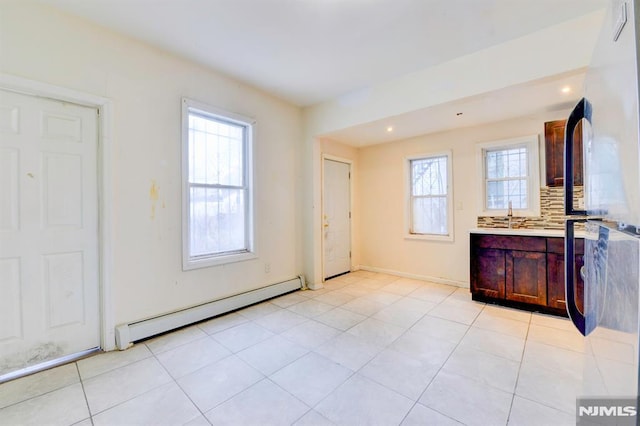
230, 397
515, 387
175, 381
264, 376
39, 395
354, 372
86, 400
417, 401
133, 397
544, 404
311, 408
192, 372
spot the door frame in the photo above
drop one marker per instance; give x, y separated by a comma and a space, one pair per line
104, 177
322, 196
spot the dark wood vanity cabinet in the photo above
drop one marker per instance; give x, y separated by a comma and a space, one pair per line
554, 153
526, 278
521, 271
488, 271
555, 273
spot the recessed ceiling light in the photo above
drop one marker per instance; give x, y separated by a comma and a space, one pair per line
390, 129
566, 89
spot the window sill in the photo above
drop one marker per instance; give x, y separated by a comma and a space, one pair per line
429, 237
206, 262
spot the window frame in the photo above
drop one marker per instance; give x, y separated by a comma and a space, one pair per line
409, 234
531, 143
249, 252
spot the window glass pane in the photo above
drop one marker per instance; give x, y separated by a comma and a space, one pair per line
429, 176
507, 174
496, 195
429, 215
491, 165
506, 163
429, 206
197, 123
211, 126
198, 156
499, 193
216, 220
216, 148
518, 193
517, 162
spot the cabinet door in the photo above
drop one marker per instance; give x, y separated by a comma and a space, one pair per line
554, 153
526, 279
488, 272
555, 278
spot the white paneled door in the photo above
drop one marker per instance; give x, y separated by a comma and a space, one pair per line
337, 218
49, 288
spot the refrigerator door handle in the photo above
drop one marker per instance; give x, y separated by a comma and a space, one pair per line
576, 316
580, 111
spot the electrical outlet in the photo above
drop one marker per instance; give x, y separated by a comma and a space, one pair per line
267, 268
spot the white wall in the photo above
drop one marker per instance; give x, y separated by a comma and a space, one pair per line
145, 87
380, 186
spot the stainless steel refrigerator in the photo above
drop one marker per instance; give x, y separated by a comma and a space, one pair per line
610, 219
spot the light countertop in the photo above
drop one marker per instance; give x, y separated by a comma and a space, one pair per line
523, 232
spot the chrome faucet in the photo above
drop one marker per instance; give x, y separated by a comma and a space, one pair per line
510, 214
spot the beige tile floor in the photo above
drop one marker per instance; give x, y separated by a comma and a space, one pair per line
368, 349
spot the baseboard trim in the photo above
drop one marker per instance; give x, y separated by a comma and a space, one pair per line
438, 280
126, 334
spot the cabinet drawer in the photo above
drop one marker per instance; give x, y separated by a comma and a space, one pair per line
510, 242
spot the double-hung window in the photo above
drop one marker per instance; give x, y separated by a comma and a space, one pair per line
430, 198
510, 176
217, 187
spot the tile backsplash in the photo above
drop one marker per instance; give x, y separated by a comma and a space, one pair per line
551, 212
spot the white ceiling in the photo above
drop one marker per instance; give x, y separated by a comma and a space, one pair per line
540, 98
309, 51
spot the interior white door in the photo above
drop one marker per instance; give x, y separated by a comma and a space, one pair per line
49, 288
337, 218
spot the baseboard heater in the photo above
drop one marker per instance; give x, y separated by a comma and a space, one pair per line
129, 333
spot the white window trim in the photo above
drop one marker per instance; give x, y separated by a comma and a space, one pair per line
407, 191
533, 187
203, 262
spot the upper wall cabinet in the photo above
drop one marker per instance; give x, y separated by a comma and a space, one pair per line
554, 147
